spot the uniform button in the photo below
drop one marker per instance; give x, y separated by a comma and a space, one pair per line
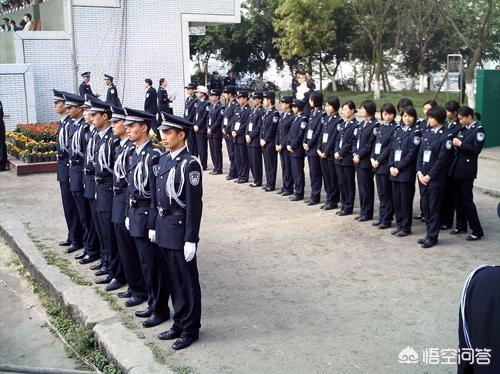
158, 190
161, 177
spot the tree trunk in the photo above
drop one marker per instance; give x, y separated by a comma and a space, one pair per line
260, 82
421, 83
378, 72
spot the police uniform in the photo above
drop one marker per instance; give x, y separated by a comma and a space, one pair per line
178, 200
433, 160
163, 102
326, 145
151, 106
404, 151
112, 94
202, 107
464, 171
189, 114
214, 132
140, 214
295, 146
75, 227
226, 126
380, 153
85, 88
312, 139
238, 128
3, 146
127, 249
284, 124
254, 148
344, 166
268, 136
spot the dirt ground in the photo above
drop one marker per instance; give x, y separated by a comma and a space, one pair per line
288, 288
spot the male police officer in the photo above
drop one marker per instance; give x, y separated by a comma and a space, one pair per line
286, 119
151, 103
296, 149
232, 104
112, 94
178, 199
238, 128
214, 130
85, 88
200, 124
268, 138
189, 114
252, 138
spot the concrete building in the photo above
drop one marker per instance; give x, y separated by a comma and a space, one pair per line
128, 39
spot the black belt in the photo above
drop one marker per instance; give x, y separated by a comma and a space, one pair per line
133, 202
170, 212
88, 171
119, 190
102, 180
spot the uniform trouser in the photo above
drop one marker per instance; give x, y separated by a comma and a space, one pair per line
465, 207
92, 244
155, 276
3, 147
384, 191
330, 181
402, 199
431, 197
241, 158
233, 173
215, 143
75, 228
201, 144
255, 161
110, 257
347, 185
366, 191
271, 164
286, 171
298, 176
315, 176
83, 212
192, 145
185, 289
420, 201
130, 262
448, 207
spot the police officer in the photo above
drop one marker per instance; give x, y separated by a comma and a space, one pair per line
379, 160
295, 147
344, 165
268, 139
432, 169
326, 148
189, 114
163, 99
311, 142
232, 104
151, 104
214, 130
140, 216
112, 94
75, 228
238, 128
84, 88
252, 137
104, 164
137, 292
202, 108
361, 151
468, 144
402, 167
178, 199
284, 124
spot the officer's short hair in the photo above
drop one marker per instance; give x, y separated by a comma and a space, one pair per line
430, 102
161, 81
388, 108
317, 99
369, 106
334, 102
148, 81
438, 113
466, 111
452, 106
411, 111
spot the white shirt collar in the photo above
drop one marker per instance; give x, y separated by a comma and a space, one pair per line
103, 132
176, 153
123, 141
139, 149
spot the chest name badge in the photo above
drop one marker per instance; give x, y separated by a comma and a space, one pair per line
427, 155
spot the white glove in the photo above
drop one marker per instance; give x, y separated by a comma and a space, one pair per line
127, 223
189, 251
152, 235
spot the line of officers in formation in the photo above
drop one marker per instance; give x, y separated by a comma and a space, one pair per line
440, 152
133, 208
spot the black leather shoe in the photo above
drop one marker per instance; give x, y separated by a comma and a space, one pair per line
146, 313
296, 198
312, 202
457, 231
255, 184
169, 335
421, 241
124, 294
114, 285
472, 238
394, 232
329, 207
73, 248
269, 189
445, 227
279, 192
133, 301
229, 178
376, 223
88, 259
384, 226
363, 219
101, 271
65, 243
184, 342
154, 320
104, 280
217, 172
402, 234
80, 256
344, 213
241, 181
96, 266
427, 243
286, 193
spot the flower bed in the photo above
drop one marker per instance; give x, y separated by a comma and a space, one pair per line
33, 142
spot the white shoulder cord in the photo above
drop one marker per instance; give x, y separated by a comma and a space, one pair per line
141, 175
170, 185
90, 148
76, 141
62, 142
462, 304
120, 170
105, 161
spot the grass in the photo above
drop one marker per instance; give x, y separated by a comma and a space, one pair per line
79, 336
158, 353
110, 298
